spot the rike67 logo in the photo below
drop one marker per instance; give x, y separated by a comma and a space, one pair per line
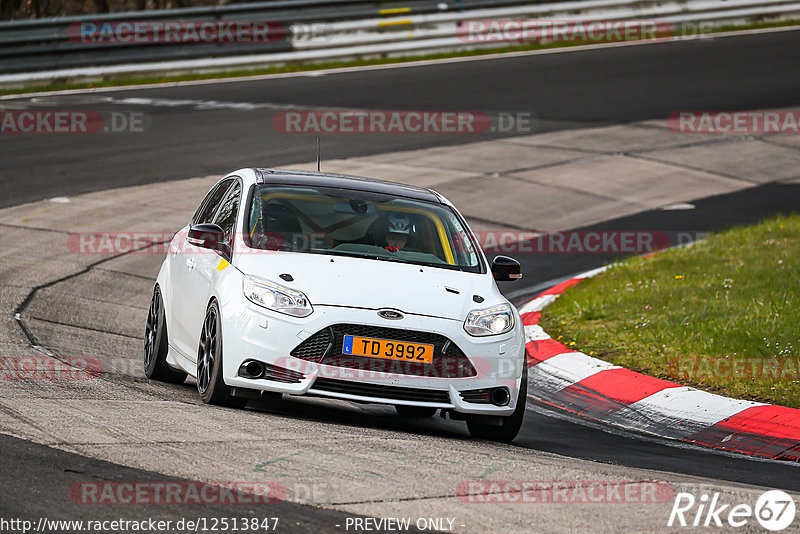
774, 511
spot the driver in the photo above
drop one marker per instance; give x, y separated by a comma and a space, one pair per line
398, 228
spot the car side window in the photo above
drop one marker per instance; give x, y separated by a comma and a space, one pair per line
228, 211
210, 204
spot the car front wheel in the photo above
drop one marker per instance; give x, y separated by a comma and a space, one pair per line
509, 428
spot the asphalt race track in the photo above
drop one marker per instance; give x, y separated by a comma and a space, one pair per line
563, 90
189, 135
51, 473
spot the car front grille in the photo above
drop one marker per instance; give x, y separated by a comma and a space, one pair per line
316, 347
325, 347
383, 392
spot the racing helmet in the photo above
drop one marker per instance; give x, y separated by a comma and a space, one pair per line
399, 224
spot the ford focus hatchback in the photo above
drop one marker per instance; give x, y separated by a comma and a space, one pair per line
301, 283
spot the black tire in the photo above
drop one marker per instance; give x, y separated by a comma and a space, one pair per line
156, 344
210, 384
415, 411
510, 426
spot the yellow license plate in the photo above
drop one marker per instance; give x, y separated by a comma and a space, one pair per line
388, 349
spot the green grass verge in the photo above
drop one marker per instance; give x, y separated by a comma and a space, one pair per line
302, 67
722, 315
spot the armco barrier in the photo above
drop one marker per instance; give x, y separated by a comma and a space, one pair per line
36, 51
29, 45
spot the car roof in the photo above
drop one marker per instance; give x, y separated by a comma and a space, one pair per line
344, 181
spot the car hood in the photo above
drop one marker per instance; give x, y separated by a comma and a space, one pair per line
374, 284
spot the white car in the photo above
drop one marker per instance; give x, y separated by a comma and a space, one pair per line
303, 283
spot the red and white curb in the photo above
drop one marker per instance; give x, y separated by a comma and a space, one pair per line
570, 380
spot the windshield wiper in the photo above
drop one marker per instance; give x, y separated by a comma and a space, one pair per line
368, 256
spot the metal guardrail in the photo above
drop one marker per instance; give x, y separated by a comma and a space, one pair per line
37, 50
38, 44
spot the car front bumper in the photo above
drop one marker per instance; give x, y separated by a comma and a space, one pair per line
254, 333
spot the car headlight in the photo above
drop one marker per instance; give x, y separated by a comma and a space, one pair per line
276, 297
490, 321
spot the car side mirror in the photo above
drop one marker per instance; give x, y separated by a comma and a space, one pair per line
208, 235
505, 269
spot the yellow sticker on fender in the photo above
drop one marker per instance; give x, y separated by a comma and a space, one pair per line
222, 265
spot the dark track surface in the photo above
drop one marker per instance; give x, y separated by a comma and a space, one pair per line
564, 90
567, 90
40, 479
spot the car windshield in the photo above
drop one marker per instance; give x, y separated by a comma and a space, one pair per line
361, 224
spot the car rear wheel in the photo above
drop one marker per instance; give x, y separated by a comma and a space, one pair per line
156, 344
509, 428
210, 384
415, 411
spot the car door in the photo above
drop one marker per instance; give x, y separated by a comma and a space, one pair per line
209, 264
185, 280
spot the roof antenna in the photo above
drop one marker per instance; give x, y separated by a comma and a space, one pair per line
317, 154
